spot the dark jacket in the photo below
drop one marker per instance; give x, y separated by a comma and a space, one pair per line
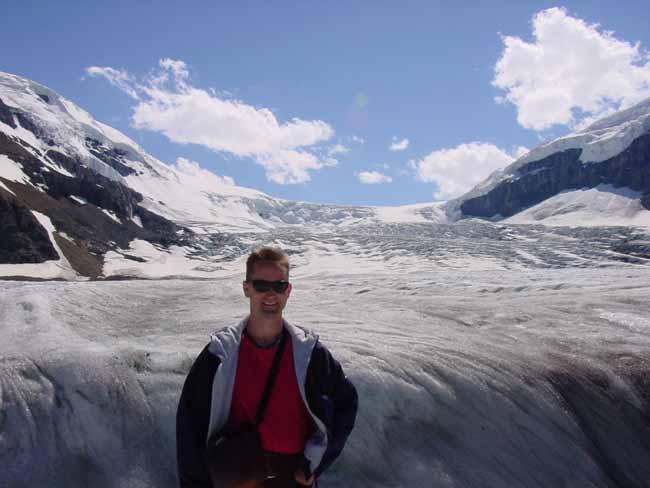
204, 405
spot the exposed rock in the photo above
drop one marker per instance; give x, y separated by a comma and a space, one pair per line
539, 180
91, 231
80, 258
165, 231
6, 116
22, 238
26, 123
111, 156
93, 187
45, 98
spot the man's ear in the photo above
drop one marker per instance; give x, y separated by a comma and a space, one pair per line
245, 287
289, 288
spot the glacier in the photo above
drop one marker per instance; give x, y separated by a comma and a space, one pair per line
484, 356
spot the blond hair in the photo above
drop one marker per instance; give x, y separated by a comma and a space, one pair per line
267, 255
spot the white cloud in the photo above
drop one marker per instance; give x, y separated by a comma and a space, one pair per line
119, 78
373, 178
399, 145
169, 104
337, 149
458, 170
571, 71
520, 151
193, 169
357, 139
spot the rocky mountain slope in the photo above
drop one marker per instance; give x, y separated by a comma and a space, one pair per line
99, 193
80, 199
613, 153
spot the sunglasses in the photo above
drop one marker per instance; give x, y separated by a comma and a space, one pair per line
263, 286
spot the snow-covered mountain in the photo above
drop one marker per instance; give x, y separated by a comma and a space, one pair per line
80, 199
78, 195
611, 156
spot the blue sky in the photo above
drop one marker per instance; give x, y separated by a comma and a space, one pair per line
303, 100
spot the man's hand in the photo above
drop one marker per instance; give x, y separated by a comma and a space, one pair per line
300, 478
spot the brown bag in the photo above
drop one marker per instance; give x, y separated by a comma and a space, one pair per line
234, 457
237, 459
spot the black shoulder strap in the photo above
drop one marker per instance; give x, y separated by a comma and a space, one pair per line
261, 410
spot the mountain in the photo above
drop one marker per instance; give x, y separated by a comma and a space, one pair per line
79, 199
599, 175
76, 196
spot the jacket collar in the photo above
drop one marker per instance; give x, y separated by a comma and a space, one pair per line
224, 343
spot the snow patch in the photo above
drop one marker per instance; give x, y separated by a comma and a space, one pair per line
603, 205
12, 171
112, 215
52, 269
3, 186
77, 199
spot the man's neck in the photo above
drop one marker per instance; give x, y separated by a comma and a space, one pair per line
264, 331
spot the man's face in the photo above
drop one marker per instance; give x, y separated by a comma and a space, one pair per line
268, 303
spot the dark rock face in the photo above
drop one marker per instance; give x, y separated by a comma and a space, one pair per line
113, 157
22, 238
539, 180
92, 231
26, 123
91, 186
6, 116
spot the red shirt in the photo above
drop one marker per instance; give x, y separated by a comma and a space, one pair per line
287, 424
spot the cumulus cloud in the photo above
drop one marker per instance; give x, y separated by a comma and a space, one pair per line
373, 178
399, 145
459, 169
169, 104
571, 71
194, 170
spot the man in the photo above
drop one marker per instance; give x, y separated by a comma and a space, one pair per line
311, 410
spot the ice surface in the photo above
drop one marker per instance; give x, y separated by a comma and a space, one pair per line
364, 248
413, 213
523, 368
157, 262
